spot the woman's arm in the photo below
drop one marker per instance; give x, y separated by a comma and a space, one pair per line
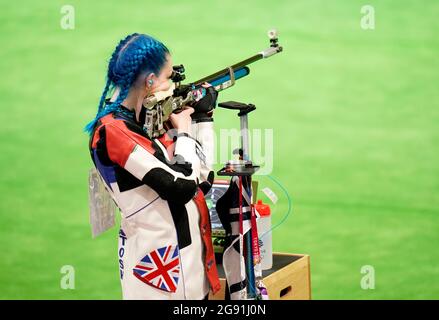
176, 181
204, 134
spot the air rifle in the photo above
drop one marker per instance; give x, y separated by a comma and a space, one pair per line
157, 107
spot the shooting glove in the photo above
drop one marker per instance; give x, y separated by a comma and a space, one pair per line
204, 107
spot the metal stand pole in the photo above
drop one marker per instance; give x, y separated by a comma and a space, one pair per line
244, 169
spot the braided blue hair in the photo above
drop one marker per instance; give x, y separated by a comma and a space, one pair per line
137, 54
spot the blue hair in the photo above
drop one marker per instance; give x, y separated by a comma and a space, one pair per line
135, 55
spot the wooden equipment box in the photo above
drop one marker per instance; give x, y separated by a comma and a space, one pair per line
289, 279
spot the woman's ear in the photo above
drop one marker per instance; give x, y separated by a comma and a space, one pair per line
150, 80
148, 84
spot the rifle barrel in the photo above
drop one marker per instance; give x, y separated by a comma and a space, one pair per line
261, 55
225, 71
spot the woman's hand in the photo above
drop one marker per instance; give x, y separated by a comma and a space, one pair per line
204, 107
182, 121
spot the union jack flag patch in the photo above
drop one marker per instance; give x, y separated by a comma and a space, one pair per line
160, 268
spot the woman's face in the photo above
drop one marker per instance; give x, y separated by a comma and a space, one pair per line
163, 81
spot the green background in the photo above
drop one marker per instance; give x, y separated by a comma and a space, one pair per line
355, 116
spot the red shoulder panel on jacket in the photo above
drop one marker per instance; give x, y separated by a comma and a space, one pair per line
120, 140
